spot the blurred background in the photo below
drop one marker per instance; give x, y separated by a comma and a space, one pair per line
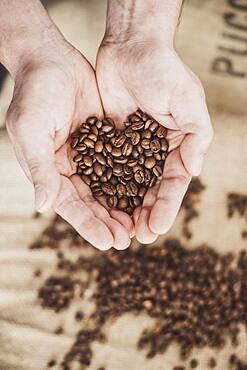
212, 41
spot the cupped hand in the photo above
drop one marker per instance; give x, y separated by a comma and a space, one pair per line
152, 77
53, 95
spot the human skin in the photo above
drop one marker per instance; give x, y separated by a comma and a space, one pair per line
55, 90
138, 67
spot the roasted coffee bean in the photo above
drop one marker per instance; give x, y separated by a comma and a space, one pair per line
99, 124
142, 191
137, 125
127, 169
164, 145
116, 152
127, 149
157, 170
139, 176
153, 181
148, 153
75, 134
88, 171
137, 167
150, 162
112, 201
82, 165
91, 120
108, 188
98, 169
135, 138
141, 159
108, 147
148, 123
132, 188
127, 177
79, 171
123, 203
132, 162
146, 134
94, 130
108, 125
155, 145
147, 176
84, 130
133, 118
140, 148
135, 201
194, 363
121, 190
82, 137
103, 178
109, 161
117, 169
99, 146
123, 180
164, 156
97, 192
100, 158
86, 179
118, 141
110, 134
161, 132
145, 143
114, 180
153, 127
109, 173
94, 177
128, 132
88, 161
135, 153
92, 137
78, 158
74, 142
122, 160
129, 210
157, 156
81, 148
89, 143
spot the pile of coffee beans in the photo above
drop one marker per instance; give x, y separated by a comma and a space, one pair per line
121, 164
237, 204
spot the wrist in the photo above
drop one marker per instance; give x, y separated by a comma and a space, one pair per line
135, 21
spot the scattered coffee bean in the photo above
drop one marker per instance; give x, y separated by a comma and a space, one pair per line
194, 363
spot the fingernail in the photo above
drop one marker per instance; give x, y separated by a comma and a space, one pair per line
40, 198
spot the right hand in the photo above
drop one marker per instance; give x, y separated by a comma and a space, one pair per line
54, 93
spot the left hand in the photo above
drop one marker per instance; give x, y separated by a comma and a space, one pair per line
152, 77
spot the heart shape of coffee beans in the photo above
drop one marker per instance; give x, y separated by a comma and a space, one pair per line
120, 164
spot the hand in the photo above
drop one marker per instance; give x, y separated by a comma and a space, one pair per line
150, 76
54, 93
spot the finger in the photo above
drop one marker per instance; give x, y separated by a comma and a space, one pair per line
120, 235
70, 207
197, 127
170, 195
35, 152
143, 232
125, 220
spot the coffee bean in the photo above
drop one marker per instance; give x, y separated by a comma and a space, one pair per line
98, 169
109, 173
118, 141
84, 130
121, 160
94, 177
137, 125
127, 170
114, 180
88, 171
75, 134
157, 156
108, 125
103, 178
161, 132
135, 201
150, 162
99, 124
89, 143
82, 165
132, 189
127, 149
121, 190
128, 132
123, 180
129, 210
135, 138
108, 188
123, 203
97, 192
148, 123
193, 363
78, 158
91, 120
139, 176
74, 142
82, 138
164, 145
146, 134
145, 143
142, 191
155, 145
108, 147
212, 363
94, 131
109, 161
110, 134
153, 127
164, 156
140, 148
132, 162
86, 179
81, 148
133, 118
112, 201
141, 159
147, 176
117, 169
135, 153
99, 146
88, 161
148, 153
92, 137
116, 152
157, 170
153, 181
127, 177
100, 158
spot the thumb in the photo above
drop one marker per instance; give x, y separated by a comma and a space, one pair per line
34, 149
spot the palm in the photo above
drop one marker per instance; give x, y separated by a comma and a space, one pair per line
156, 82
